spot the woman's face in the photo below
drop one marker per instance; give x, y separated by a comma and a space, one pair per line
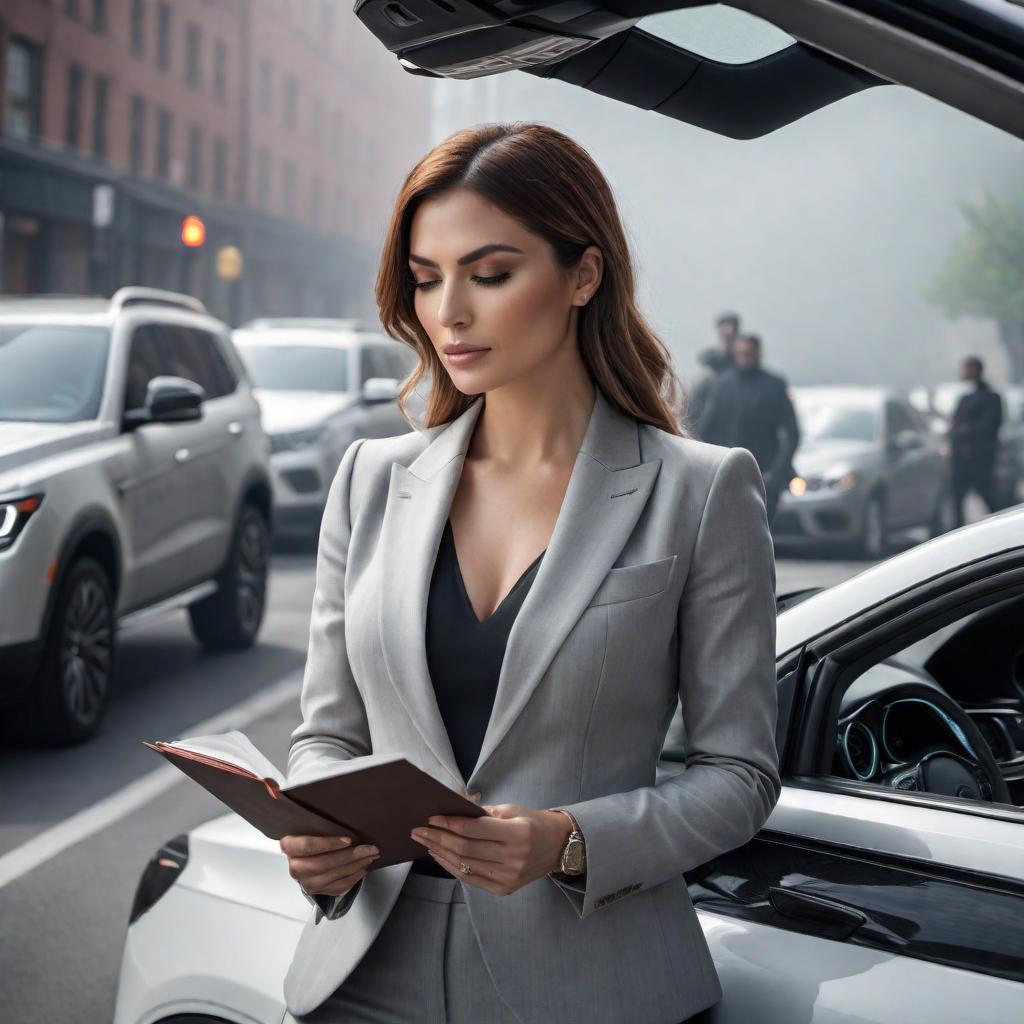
487, 285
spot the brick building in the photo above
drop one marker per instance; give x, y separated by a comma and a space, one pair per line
283, 124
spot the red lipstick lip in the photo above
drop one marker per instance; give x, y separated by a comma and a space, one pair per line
459, 347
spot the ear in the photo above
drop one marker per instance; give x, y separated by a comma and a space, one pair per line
589, 272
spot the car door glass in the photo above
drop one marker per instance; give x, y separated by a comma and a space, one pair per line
374, 363
145, 361
943, 713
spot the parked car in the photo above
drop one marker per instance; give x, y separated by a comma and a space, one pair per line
867, 466
134, 478
891, 863
939, 403
321, 384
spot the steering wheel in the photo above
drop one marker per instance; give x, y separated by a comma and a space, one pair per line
943, 772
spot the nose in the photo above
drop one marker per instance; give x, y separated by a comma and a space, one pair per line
453, 311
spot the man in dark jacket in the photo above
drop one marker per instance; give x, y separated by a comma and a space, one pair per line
748, 407
974, 438
715, 361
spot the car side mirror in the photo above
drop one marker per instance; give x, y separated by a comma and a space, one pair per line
907, 441
379, 389
168, 400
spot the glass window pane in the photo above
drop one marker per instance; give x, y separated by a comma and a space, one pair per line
718, 32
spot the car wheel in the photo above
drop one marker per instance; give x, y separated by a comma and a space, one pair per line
874, 540
944, 517
230, 618
73, 685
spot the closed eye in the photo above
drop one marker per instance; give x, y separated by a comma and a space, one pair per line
497, 279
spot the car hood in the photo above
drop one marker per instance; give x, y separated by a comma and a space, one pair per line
299, 410
22, 443
818, 458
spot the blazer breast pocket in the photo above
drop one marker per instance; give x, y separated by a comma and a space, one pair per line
631, 582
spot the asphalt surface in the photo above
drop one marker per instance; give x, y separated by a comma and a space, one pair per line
63, 918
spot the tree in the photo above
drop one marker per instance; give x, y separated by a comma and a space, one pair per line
984, 273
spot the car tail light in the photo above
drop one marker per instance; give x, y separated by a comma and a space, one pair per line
160, 874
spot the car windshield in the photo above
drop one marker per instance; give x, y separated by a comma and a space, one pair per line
52, 373
296, 367
825, 420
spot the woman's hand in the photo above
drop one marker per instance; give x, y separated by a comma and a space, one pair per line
506, 850
325, 866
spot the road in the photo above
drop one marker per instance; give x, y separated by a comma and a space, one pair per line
77, 826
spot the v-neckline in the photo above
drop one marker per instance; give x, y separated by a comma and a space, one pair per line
462, 583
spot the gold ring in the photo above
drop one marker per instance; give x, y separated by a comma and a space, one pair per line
465, 868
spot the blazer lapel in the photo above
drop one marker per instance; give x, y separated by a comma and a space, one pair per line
607, 491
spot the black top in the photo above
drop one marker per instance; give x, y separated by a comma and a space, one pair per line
464, 656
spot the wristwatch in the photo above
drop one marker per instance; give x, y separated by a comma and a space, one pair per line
574, 853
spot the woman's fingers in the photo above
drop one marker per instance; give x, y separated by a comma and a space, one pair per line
348, 873
481, 872
310, 846
324, 863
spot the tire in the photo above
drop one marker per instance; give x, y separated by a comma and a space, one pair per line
72, 688
230, 618
874, 540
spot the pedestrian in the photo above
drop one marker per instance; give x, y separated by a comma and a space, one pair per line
714, 360
517, 599
748, 407
974, 438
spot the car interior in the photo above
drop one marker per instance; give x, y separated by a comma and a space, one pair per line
945, 714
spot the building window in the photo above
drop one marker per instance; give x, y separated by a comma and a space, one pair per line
220, 167
73, 108
164, 131
262, 178
100, 97
220, 70
266, 86
195, 157
99, 15
291, 100
288, 188
22, 92
138, 139
71, 8
193, 55
163, 36
138, 27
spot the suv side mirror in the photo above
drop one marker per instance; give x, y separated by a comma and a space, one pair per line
168, 400
906, 441
379, 389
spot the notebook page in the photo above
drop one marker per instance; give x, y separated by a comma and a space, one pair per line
233, 746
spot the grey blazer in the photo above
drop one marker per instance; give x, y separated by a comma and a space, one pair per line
657, 592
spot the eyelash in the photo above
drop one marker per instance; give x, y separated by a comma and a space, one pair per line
486, 281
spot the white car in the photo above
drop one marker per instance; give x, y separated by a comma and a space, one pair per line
887, 887
320, 384
134, 479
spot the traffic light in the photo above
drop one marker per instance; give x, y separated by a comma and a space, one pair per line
193, 231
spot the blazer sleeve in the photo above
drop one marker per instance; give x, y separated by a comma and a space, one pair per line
727, 687
334, 725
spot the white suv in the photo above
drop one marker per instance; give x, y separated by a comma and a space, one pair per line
134, 477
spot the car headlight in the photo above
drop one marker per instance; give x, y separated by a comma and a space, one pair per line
296, 439
161, 872
13, 517
839, 481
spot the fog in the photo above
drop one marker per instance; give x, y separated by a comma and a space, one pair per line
823, 234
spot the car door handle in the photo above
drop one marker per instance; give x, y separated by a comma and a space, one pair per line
823, 917
235, 428
182, 455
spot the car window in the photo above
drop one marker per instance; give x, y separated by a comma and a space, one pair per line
52, 374
375, 363
145, 361
192, 354
295, 367
401, 360
898, 419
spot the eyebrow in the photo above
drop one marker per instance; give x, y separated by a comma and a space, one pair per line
470, 257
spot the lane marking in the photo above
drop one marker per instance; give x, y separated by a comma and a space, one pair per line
48, 844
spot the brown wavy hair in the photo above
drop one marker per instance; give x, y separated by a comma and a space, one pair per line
552, 186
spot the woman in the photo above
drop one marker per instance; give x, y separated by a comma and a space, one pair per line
518, 599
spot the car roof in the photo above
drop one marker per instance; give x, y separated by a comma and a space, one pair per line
966, 53
822, 612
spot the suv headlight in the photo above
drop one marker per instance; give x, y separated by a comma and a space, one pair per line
13, 517
161, 873
296, 439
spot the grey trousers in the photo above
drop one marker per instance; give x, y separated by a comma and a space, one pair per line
424, 967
